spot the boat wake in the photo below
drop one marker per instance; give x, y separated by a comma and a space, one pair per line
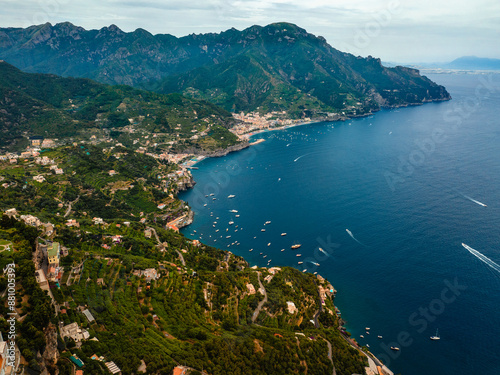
300, 157
473, 200
482, 257
323, 251
354, 238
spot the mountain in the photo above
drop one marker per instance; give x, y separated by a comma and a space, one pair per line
273, 68
157, 300
474, 63
51, 106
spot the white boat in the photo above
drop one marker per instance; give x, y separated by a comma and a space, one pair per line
267, 222
395, 348
367, 328
380, 337
231, 222
300, 262
283, 234
262, 230
299, 255
269, 244
231, 196
233, 211
436, 337
362, 336
304, 270
237, 215
296, 246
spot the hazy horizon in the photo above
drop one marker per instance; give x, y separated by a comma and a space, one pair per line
409, 32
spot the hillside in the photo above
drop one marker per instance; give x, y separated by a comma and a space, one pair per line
272, 68
158, 300
74, 109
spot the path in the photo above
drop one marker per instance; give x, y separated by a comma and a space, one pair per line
69, 206
330, 357
261, 303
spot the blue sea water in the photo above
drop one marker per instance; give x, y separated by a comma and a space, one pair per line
411, 185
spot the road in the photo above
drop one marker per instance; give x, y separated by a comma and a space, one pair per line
330, 357
261, 303
69, 206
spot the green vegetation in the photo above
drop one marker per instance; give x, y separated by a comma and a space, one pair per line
196, 312
279, 67
76, 109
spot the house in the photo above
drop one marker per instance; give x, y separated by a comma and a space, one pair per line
59, 171
48, 143
173, 227
39, 178
251, 289
162, 206
112, 172
11, 212
292, 309
74, 332
97, 220
72, 223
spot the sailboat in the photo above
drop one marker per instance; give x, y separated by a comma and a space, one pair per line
436, 337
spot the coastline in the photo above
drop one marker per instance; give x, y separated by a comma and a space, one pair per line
375, 366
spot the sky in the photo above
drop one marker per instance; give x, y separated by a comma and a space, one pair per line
403, 31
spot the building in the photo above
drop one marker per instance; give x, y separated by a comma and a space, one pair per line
113, 368
53, 253
73, 331
292, 309
88, 315
39, 178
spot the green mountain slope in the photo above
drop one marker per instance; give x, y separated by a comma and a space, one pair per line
55, 107
276, 67
197, 312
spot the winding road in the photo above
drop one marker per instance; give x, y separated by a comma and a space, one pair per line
261, 303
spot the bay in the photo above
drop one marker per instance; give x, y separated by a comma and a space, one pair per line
410, 185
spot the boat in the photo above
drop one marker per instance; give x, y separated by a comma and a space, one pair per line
283, 234
231, 222
233, 211
362, 336
304, 270
380, 337
296, 246
367, 328
237, 215
300, 262
265, 256
299, 255
269, 244
262, 230
282, 249
267, 222
205, 205
231, 196
436, 337
395, 348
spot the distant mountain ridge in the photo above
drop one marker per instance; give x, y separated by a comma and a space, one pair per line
474, 63
279, 67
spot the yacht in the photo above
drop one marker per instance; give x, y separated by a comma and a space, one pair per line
283, 234
296, 246
395, 348
231, 196
436, 337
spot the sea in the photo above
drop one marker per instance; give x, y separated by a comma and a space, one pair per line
399, 210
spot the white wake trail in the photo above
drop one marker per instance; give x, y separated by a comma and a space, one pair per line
354, 238
473, 200
482, 257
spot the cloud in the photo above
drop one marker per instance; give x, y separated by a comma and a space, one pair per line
416, 29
